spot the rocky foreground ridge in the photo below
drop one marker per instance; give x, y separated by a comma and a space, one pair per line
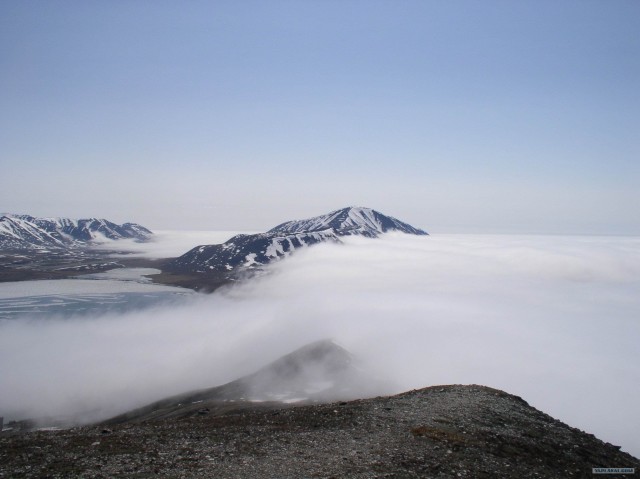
238, 430
437, 432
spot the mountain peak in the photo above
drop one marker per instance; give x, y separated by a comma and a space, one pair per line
352, 220
319, 371
251, 251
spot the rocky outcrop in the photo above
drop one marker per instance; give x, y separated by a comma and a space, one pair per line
436, 432
239, 430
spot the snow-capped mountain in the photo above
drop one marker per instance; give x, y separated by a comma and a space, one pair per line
18, 233
347, 221
26, 232
250, 251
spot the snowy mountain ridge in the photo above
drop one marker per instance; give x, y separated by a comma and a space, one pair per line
29, 232
347, 221
252, 251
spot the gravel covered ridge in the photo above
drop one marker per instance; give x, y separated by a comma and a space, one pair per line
437, 432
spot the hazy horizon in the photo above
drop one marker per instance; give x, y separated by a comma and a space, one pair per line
452, 116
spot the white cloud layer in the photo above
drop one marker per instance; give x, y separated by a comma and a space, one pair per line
552, 319
168, 243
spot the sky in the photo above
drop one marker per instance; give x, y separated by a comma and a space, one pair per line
553, 319
456, 116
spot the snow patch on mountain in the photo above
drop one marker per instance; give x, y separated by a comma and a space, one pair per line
252, 251
29, 232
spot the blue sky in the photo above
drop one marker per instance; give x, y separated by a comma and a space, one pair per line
493, 116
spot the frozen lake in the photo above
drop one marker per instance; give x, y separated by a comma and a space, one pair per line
118, 290
115, 291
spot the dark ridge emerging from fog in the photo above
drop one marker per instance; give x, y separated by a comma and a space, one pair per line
442, 431
28, 232
321, 371
244, 252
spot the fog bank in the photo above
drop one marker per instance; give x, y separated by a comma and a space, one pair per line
552, 319
168, 243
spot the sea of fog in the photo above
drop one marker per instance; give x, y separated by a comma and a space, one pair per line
554, 319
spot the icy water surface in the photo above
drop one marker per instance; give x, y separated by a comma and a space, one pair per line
118, 290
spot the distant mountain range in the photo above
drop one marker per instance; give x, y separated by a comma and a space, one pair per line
251, 251
29, 232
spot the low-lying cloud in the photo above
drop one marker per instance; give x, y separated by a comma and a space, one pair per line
167, 243
552, 319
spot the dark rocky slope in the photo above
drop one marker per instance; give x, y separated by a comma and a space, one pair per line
437, 432
318, 372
